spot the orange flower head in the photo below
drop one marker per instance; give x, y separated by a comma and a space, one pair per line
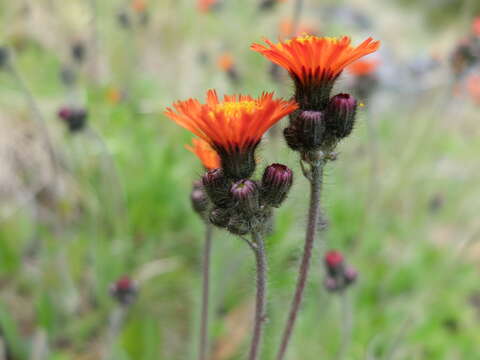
205, 153
225, 62
473, 87
314, 63
114, 95
476, 26
205, 6
363, 67
139, 6
233, 126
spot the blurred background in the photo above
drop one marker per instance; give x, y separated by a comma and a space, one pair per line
100, 251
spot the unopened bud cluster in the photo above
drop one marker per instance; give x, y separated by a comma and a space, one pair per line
321, 129
339, 275
245, 205
124, 290
75, 118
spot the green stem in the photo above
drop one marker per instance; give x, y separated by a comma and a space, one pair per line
311, 233
207, 249
260, 305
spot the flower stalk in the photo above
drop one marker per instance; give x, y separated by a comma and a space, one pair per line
207, 249
315, 176
261, 299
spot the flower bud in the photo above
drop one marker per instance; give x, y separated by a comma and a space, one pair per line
276, 183
339, 275
331, 284
75, 118
199, 198
246, 195
340, 115
217, 187
219, 217
124, 290
291, 137
334, 263
306, 130
351, 275
238, 225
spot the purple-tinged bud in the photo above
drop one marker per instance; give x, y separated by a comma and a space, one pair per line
331, 284
339, 275
276, 183
340, 115
334, 263
350, 275
199, 198
311, 126
217, 187
306, 130
245, 193
74, 118
124, 290
220, 217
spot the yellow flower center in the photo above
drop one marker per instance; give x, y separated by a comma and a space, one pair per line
306, 38
236, 108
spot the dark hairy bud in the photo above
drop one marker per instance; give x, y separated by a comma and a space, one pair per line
276, 183
340, 115
291, 137
334, 262
311, 129
124, 290
339, 274
74, 118
245, 193
220, 217
199, 198
238, 225
306, 130
217, 187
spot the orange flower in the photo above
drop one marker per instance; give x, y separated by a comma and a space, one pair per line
233, 127
139, 6
206, 5
476, 26
114, 95
205, 153
473, 87
225, 62
314, 63
363, 67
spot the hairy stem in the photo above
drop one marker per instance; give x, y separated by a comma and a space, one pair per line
346, 325
312, 229
203, 345
260, 314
